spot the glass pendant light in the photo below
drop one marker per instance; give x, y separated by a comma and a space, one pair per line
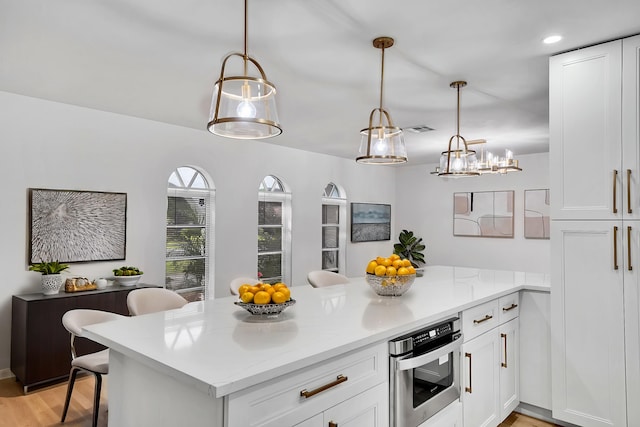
382, 143
244, 107
459, 161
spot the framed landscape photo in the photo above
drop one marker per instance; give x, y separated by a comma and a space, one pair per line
370, 222
76, 226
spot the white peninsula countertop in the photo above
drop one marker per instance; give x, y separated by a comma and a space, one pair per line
220, 348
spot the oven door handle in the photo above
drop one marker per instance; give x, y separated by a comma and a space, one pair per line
415, 362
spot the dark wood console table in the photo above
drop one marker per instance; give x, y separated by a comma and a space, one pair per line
40, 349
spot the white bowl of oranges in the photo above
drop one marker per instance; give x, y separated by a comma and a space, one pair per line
390, 276
263, 299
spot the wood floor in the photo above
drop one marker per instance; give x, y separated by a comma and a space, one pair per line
44, 407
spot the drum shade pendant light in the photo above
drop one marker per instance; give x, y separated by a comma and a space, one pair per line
458, 161
244, 107
382, 143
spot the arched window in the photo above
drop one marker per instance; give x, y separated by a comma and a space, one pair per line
334, 233
274, 231
190, 202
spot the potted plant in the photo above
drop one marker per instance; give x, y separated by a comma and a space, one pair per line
51, 278
411, 247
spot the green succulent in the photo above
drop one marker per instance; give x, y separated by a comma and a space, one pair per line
45, 268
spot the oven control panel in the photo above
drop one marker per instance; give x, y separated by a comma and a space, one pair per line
431, 334
423, 337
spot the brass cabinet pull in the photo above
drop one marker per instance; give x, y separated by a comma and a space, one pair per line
307, 394
468, 389
630, 267
511, 307
629, 208
484, 319
615, 190
504, 364
615, 247
332, 424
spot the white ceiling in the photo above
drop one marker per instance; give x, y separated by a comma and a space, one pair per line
158, 59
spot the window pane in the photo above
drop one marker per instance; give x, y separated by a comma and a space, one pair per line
186, 242
186, 210
330, 214
188, 273
330, 237
270, 266
269, 213
269, 239
330, 260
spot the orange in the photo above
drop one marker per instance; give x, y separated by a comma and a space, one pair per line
286, 292
394, 257
397, 263
391, 271
269, 290
262, 297
255, 289
379, 259
406, 263
371, 268
279, 285
243, 288
380, 270
246, 297
278, 297
411, 270
386, 262
403, 271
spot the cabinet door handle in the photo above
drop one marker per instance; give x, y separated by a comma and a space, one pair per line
615, 190
504, 364
468, 389
629, 208
615, 247
511, 307
630, 267
307, 394
484, 319
332, 424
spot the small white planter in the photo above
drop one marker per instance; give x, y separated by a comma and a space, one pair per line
51, 283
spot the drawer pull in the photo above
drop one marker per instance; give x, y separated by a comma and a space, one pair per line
511, 307
484, 319
615, 247
615, 190
629, 208
307, 394
504, 364
468, 389
630, 267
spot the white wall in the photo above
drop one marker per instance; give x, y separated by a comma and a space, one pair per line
425, 205
58, 146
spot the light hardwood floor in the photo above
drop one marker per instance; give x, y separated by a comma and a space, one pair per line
43, 408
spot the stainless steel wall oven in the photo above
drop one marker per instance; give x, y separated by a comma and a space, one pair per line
424, 370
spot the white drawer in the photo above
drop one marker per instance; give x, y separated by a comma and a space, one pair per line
279, 401
509, 307
479, 319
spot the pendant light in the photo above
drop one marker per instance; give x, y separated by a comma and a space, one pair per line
382, 143
490, 164
244, 107
460, 161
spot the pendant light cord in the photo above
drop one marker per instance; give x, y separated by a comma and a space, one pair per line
246, 25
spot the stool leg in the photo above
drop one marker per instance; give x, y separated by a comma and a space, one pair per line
72, 380
96, 399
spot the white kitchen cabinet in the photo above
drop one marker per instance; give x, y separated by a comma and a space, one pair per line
349, 390
594, 152
490, 367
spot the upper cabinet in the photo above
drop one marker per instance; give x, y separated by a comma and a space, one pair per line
594, 163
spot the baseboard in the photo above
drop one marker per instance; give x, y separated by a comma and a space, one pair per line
541, 414
6, 373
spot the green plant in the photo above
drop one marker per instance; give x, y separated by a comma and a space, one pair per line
410, 247
53, 267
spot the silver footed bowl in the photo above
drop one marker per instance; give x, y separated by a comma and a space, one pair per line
265, 309
390, 286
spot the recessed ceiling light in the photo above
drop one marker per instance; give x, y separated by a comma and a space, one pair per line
552, 39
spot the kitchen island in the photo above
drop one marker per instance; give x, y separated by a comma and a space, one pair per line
185, 367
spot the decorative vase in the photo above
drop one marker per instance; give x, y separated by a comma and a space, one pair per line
51, 283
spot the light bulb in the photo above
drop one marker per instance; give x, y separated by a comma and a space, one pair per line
246, 109
380, 147
457, 165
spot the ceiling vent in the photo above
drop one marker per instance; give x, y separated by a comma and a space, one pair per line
418, 129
